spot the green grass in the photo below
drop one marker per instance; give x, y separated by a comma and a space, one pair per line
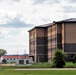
70, 65
38, 72
41, 65
37, 65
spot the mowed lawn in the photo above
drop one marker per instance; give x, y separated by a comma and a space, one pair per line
37, 72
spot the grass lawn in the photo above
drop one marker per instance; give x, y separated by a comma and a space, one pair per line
38, 65
38, 72
70, 65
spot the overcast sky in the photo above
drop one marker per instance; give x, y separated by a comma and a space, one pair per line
18, 16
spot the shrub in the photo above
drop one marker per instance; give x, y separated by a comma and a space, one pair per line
73, 58
59, 58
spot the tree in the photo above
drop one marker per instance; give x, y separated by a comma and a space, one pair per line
2, 52
59, 58
73, 58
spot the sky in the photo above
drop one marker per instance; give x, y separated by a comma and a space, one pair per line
18, 16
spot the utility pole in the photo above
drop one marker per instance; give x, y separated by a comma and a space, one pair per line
17, 54
24, 53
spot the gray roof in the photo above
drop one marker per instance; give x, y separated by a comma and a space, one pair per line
45, 25
68, 20
54, 22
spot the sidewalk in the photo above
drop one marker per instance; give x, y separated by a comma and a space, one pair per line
47, 69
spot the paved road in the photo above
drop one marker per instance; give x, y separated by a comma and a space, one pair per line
48, 69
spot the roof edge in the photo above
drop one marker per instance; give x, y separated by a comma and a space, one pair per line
71, 20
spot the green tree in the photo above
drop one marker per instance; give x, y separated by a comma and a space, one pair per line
59, 58
73, 58
2, 52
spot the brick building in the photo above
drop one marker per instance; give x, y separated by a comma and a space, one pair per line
44, 39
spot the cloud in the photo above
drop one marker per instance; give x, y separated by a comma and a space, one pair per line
15, 23
49, 1
39, 1
3, 32
72, 1
1, 0
18, 16
68, 7
10, 0
16, 0
35, 14
54, 1
16, 42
